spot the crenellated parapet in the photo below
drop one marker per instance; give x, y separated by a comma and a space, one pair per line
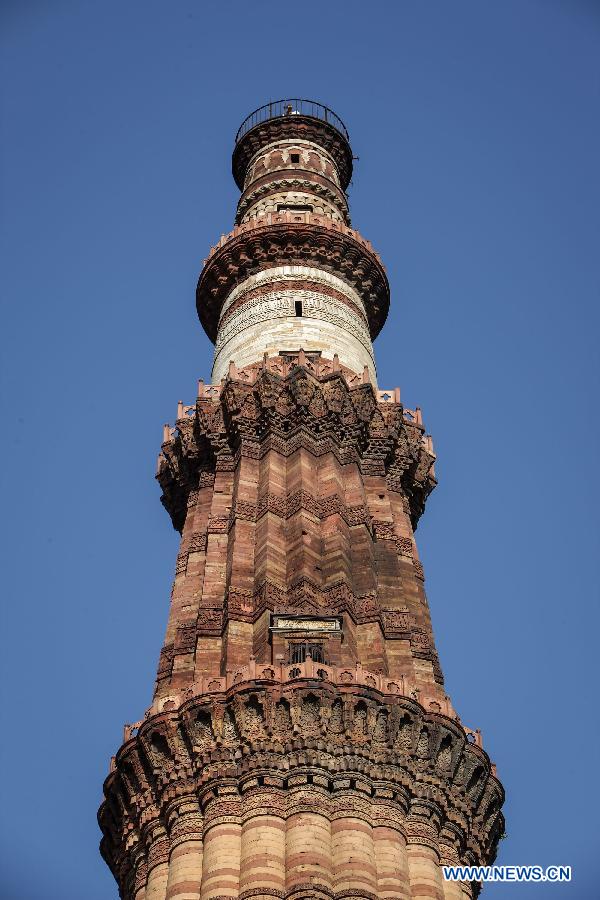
344, 751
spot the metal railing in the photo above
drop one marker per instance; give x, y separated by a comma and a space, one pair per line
293, 107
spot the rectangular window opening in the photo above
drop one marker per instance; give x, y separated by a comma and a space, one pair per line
294, 207
299, 652
295, 157
298, 307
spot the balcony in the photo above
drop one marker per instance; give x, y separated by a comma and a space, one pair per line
279, 109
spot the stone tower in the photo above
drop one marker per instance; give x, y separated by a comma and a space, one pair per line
300, 743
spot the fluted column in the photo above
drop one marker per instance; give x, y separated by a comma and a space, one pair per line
185, 862
158, 866
353, 851
141, 876
222, 839
262, 855
308, 846
456, 890
453, 890
423, 861
392, 863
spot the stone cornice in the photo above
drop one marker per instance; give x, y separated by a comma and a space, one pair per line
290, 239
258, 743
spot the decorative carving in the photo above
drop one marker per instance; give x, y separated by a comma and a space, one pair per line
420, 639
281, 305
240, 604
245, 511
380, 733
301, 289
359, 724
423, 744
356, 760
336, 717
250, 715
404, 735
218, 524
181, 564
319, 242
203, 732
384, 531
165, 663
230, 731
310, 712
444, 756
405, 546
185, 640
396, 622
418, 569
210, 621
198, 542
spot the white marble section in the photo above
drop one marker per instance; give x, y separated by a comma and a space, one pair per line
268, 324
293, 273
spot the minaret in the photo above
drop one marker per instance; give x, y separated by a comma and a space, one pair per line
300, 743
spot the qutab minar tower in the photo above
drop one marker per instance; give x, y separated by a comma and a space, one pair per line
300, 743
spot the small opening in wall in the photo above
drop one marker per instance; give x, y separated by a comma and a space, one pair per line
298, 307
295, 157
299, 652
294, 207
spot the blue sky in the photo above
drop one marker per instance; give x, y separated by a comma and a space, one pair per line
477, 129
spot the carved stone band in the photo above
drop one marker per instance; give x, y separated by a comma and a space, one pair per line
282, 276
272, 323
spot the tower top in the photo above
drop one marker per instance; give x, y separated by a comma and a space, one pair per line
292, 118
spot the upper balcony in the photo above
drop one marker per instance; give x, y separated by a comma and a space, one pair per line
296, 107
288, 119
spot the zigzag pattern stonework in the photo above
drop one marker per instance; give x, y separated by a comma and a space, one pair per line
300, 743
